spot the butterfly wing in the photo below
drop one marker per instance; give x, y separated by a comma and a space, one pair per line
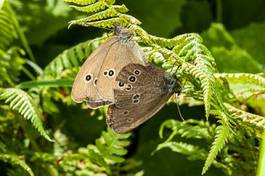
143, 91
124, 52
85, 84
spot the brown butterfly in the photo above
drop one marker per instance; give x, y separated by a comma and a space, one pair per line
95, 81
142, 92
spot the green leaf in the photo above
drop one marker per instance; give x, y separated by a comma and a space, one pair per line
21, 102
8, 31
261, 164
192, 151
235, 60
16, 160
250, 39
223, 132
228, 55
45, 83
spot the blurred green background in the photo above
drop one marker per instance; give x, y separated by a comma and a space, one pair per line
232, 30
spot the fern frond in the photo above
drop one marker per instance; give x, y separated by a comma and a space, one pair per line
16, 160
244, 85
111, 146
81, 2
7, 28
187, 129
243, 77
103, 14
193, 152
106, 157
207, 84
223, 133
113, 11
10, 66
256, 121
163, 42
124, 20
95, 7
21, 102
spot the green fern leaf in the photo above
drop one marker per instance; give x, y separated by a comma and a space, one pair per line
81, 2
45, 83
113, 11
122, 19
223, 133
207, 84
21, 102
7, 28
192, 151
244, 85
188, 129
103, 14
98, 6
16, 160
256, 121
112, 145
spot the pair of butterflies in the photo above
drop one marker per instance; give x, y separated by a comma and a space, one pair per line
118, 74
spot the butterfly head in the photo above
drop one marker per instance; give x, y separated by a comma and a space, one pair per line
172, 84
122, 33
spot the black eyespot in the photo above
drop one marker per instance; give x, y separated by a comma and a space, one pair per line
137, 72
88, 78
125, 112
111, 72
129, 87
136, 101
105, 73
136, 96
121, 84
132, 79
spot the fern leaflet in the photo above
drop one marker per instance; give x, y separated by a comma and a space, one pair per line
222, 135
16, 160
21, 102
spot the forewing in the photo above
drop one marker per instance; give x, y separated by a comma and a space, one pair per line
122, 54
84, 90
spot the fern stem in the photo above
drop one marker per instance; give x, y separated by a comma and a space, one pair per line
33, 65
261, 165
21, 34
30, 75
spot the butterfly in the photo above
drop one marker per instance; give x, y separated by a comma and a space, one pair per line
95, 81
142, 92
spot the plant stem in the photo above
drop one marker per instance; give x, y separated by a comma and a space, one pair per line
30, 75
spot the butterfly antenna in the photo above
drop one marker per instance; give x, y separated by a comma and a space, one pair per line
178, 91
179, 112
